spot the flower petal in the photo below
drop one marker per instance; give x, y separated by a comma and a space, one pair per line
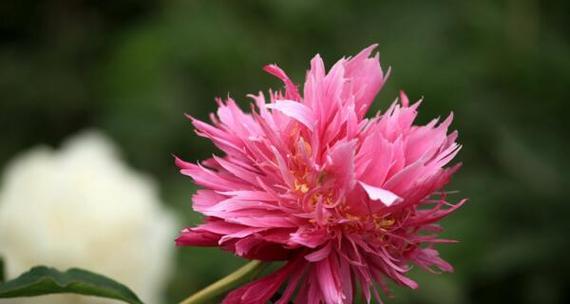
295, 110
378, 194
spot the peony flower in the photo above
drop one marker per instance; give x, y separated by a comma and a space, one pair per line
83, 207
306, 178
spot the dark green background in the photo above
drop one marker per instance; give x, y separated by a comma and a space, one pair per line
132, 68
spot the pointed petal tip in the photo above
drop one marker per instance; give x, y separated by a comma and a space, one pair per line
180, 163
291, 90
404, 99
367, 51
270, 68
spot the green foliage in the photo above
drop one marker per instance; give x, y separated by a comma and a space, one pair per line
43, 280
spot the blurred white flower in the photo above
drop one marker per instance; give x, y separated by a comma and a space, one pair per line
83, 207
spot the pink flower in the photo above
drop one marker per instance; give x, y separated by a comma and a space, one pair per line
307, 179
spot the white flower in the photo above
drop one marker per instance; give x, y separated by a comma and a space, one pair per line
83, 207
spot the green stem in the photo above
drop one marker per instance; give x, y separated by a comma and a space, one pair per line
246, 272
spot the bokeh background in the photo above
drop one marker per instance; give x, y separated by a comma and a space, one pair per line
132, 68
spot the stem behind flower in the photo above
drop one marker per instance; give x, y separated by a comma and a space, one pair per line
247, 272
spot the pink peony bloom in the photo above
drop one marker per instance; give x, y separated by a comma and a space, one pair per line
308, 179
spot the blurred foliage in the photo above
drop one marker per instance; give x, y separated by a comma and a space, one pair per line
132, 68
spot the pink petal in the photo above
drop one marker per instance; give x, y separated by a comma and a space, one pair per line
329, 281
189, 237
295, 110
260, 291
319, 254
341, 165
378, 194
291, 89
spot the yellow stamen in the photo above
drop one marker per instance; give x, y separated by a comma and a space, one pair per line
384, 223
301, 187
307, 146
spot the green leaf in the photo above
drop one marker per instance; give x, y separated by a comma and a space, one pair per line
43, 280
